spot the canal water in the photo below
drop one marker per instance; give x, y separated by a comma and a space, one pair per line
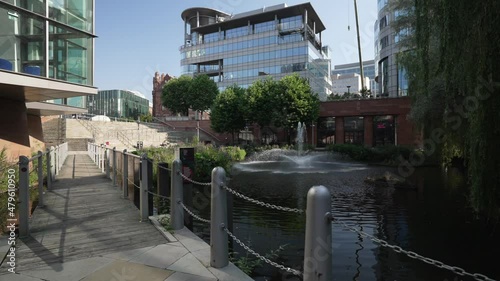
433, 220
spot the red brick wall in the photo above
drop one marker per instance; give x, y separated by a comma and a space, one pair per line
368, 133
158, 83
366, 107
406, 133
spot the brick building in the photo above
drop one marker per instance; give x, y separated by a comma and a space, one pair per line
158, 82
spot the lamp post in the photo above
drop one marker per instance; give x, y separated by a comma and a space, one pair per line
198, 125
348, 90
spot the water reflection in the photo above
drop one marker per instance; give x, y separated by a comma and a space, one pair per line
434, 220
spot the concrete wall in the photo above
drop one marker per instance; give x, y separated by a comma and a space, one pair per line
14, 134
35, 133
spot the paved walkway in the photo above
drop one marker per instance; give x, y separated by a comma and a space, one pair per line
87, 231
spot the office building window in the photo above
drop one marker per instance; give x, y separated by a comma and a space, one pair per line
326, 131
354, 130
383, 130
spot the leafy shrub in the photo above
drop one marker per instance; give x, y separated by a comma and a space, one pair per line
387, 153
208, 157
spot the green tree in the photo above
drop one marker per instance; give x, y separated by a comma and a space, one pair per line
202, 93
229, 110
295, 102
261, 101
454, 79
176, 96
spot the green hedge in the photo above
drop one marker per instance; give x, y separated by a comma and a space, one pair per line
208, 157
387, 153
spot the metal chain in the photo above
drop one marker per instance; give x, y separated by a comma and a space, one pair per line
192, 214
262, 258
165, 168
455, 269
267, 205
158, 195
133, 183
193, 181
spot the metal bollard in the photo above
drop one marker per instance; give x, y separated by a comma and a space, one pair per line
98, 155
107, 164
114, 166
103, 159
125, 174
318, 240
49, 179
219, 255
52, 164
40, 178
145, 183
24, 197
176, 195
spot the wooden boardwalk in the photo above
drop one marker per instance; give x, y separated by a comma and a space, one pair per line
84, 216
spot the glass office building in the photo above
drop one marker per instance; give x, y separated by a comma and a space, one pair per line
49, 38
391, 77
118, 103
273, 41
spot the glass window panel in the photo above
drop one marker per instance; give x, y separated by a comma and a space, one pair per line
75, 13
22, 43
36, 6
70, 55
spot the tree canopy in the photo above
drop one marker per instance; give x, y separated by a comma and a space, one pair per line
175, 95
184, 93
454, 77
282, 103
229, 111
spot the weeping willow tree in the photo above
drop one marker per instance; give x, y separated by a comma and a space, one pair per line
452, 57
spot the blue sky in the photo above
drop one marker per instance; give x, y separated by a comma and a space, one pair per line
137, 38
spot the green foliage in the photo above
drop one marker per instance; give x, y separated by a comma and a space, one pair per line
202, 93
282, 103
388, 153
175, 95
184, 93
146, 118
248, 263
295, 103
262, 101
5, 166
229, 112
453, 78
208, 157
165, 222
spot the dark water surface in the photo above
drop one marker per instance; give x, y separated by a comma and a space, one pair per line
433, 220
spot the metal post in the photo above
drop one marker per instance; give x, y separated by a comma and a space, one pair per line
125, 174
176, 196
40, 179
114, 166
103, 157
52, 164
143, 197
24, 199
318, 241
107, 164
49, 178
56, 160
219, 255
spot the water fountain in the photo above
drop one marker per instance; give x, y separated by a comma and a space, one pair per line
284, 161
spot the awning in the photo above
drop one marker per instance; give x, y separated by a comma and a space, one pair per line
30, 88
47, 109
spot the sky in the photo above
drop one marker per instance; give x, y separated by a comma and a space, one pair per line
137, 38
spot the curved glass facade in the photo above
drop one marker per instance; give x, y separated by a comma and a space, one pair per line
258, 46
